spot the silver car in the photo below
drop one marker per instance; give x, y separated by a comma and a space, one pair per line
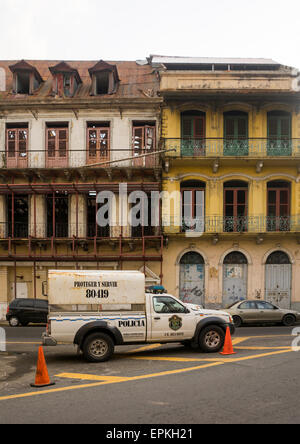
248, 312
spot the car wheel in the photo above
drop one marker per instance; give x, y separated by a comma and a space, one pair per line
237, 321
14, 322
288, 320
211, 339
98, 347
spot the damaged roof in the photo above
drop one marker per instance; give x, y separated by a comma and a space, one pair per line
135, 81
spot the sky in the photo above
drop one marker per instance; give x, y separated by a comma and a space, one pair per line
134, 29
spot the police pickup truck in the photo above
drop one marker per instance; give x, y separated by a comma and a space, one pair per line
98, 310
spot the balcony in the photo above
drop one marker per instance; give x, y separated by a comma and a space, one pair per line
233, 225
249, 148
63, 159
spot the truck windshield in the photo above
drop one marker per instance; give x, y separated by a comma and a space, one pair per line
164, 304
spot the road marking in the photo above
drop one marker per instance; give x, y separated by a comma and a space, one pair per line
125, 379
236, 341
104, 380
222, 360
148, 347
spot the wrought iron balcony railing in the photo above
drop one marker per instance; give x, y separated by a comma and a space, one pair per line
226, 224
243, 147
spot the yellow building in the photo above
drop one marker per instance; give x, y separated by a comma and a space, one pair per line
232, 230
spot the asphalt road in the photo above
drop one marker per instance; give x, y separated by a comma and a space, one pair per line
158, 385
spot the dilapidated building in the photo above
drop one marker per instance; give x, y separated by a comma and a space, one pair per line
67, 132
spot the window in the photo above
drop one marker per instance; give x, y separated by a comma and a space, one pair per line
98, 142
193, 133
278, 218
65, 80
236, 134
104, 77
41, 304
248, 306
164, 304
26, 304
279, 134
141, 222
264, 306
93, 229
144, 142
16, 145
235, 206
26, 78
17, 216
193, 206
57, 145
57, 207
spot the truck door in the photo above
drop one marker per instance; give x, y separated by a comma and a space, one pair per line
170, 320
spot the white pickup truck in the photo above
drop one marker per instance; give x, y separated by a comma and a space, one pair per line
98, 310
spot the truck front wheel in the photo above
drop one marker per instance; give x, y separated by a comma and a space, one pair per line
211, 339
98, 347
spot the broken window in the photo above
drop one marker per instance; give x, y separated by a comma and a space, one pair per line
102, 83
22, 85
26, 78
17, 216
16, 145
57, 207
144, 142
98, 142
235, 206
141, 221
93, 229
57, 142
104, 78
65, 80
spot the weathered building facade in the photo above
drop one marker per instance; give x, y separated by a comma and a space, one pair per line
234, 126
64, 127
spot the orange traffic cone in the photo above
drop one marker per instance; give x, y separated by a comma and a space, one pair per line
228, 348
42, 377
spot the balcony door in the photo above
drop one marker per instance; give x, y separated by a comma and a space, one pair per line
279, 134
236, 134
193, 134
193, 206
278, 206
235, 206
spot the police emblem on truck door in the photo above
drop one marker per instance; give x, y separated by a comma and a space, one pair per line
175, 323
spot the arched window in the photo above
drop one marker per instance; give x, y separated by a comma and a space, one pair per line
278, 258
235, 258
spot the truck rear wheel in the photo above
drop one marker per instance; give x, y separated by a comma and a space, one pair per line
98, 347
211, 339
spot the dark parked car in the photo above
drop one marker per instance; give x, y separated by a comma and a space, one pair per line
24, 311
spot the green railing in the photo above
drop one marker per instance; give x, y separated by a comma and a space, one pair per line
232, 147
231, 224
